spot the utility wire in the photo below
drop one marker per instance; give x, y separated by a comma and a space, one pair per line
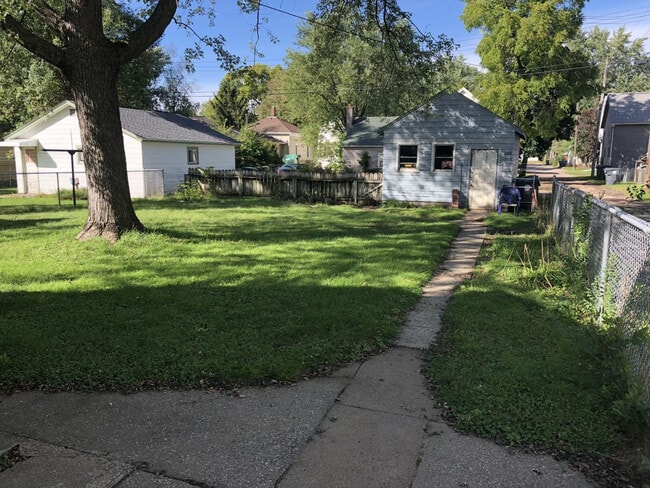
316, 22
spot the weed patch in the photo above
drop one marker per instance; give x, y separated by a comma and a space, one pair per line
518, 360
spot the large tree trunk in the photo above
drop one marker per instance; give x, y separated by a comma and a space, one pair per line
91, 69
110, 209
90, 64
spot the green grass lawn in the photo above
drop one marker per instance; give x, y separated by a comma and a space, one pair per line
518, 360
216, 293
578, 171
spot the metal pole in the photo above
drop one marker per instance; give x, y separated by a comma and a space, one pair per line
58, 188
74, 186
71, 152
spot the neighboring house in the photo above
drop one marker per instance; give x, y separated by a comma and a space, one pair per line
285, 136
364, 135
159, 148
449, 150
624, 129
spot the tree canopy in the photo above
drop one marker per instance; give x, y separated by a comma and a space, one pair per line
621, 61
535, 78
240, 92
33, 86
381, 64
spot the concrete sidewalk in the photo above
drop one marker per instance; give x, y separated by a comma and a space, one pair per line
372, 424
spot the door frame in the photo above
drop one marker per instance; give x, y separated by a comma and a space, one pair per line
476, 199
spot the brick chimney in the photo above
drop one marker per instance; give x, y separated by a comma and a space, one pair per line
349, 117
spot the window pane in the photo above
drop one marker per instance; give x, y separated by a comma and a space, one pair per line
444, 157
408, 156
192, 155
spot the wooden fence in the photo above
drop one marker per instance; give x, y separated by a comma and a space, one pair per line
357, 188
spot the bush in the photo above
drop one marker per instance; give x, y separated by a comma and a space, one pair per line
190, 191
255, 150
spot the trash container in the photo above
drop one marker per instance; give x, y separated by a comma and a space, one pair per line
612, 175
528, 187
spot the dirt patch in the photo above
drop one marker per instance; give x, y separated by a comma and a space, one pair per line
595, 188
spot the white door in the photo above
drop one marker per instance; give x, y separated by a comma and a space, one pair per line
483, 176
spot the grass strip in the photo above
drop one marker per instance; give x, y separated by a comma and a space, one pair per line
518, 360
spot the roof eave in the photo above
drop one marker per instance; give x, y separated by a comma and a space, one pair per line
205, 143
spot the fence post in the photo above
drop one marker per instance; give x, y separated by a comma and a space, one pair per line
58, 188
602, 272
355, 191
555, 204
240, 183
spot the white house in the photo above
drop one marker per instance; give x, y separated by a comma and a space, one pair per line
159, 147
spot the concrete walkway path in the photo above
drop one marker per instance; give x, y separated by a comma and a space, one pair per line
372, 424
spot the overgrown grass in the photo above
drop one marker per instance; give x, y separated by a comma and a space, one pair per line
634, 191
518, 360
216, 293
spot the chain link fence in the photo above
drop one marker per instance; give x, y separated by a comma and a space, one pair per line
618, 264
142, 183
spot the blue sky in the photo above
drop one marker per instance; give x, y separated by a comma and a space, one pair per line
434, 16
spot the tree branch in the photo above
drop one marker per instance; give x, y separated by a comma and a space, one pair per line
48, 15
149, 32
36, 45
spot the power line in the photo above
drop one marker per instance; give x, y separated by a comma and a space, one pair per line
615, 17
316, 22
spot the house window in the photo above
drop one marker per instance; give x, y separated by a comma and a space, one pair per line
408, 157
192, 155
443, 156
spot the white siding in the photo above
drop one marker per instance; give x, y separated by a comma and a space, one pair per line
133, 152
171, 157
59, 132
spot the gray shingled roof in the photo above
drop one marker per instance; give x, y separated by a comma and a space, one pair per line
628, 108
366, 132
150, 125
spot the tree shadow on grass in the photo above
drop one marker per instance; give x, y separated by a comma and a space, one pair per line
14, 224
198, 335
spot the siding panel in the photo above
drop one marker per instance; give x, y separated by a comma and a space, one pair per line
448, 119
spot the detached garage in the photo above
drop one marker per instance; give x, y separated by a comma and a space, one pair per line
159, 146
449, 150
